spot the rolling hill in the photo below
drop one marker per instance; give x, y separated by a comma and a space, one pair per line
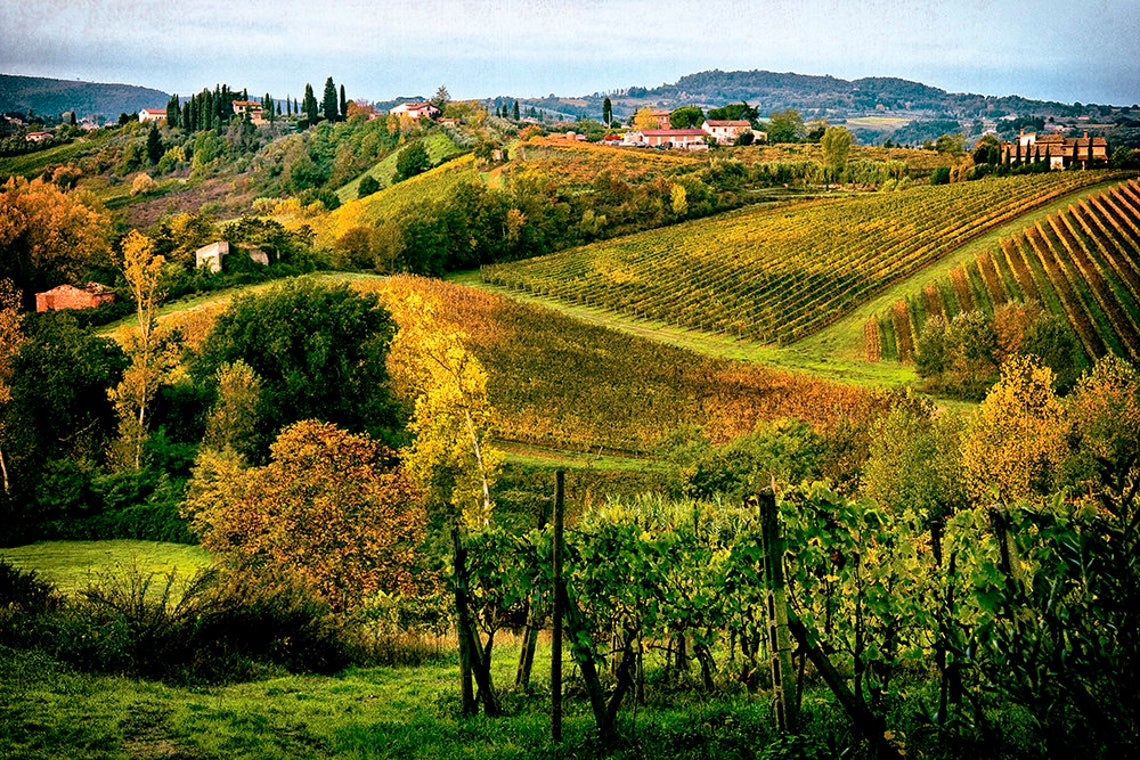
55, 96
775, 275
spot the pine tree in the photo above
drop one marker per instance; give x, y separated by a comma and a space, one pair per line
329, 101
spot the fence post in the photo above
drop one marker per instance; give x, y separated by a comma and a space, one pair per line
776, 607
559, 606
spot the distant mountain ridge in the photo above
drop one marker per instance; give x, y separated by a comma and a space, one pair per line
55, 96
813, 95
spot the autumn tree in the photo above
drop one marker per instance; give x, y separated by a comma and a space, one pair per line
332, 507
152, 357
48, 236
1015, 443
11, 336
451, 459
1104, 409
644, 119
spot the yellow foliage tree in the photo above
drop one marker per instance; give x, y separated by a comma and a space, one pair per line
1105, 412
452, 458
1015, 445
644, 119
152, 356
48, 236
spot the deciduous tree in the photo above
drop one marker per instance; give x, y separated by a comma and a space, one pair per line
330, 506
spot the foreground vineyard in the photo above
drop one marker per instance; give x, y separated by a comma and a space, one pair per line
775, 275
1082, 263
559, 382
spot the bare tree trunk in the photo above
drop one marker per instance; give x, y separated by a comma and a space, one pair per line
4, 470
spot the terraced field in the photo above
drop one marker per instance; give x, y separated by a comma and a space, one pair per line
1082, 263
777, 274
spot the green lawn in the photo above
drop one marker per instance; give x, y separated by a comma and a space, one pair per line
49, 711
72, 565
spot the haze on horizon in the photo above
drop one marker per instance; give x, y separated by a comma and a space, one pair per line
1049, 50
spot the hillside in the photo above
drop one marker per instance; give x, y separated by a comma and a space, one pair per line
1079, 263
773, 274
55, 96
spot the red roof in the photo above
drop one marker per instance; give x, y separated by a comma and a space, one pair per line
155, 111
728, 123
673, 132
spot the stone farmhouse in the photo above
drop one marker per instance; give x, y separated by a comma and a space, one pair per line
1061, 152
251, 107
210, 256
415, 111
726, 132
88, 296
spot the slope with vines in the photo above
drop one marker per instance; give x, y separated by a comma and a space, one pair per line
1082, 263
775, 275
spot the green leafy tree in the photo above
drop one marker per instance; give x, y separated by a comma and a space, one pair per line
412, 160
786, 126
329, 102
836, 143
686, 117
320, 352
368, 186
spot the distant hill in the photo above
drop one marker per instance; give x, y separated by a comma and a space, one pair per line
55, 96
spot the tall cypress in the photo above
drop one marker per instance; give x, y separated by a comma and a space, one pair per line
343, 104
310, 105
515, 110
328, 102
607, 111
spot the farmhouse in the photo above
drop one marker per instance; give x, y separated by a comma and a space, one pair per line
1061, 152
89, 296
682, 139
250, 107
210, 256
152, 114
38, 136
726, 132
415, 110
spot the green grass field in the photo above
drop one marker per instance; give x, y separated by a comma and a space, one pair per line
32, 164
439, 148
73, 565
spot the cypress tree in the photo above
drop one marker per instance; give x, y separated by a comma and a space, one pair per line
516, 110
154, 149
329, 101
311, 115
343, 104
172, 111
607, 111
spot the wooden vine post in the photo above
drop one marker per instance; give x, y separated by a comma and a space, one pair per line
559, 606
779, 634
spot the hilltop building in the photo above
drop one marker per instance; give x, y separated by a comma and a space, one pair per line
152, 114
415, 111
1061, 152
251, 107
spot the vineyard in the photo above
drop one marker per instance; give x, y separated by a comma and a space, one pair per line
774, 275
559, 382
1082, 263
577, 164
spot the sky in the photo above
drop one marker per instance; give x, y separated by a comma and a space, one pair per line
1077, 50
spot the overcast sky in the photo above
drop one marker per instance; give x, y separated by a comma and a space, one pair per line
1065, 50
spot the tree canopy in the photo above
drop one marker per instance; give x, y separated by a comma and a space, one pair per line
320, 352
